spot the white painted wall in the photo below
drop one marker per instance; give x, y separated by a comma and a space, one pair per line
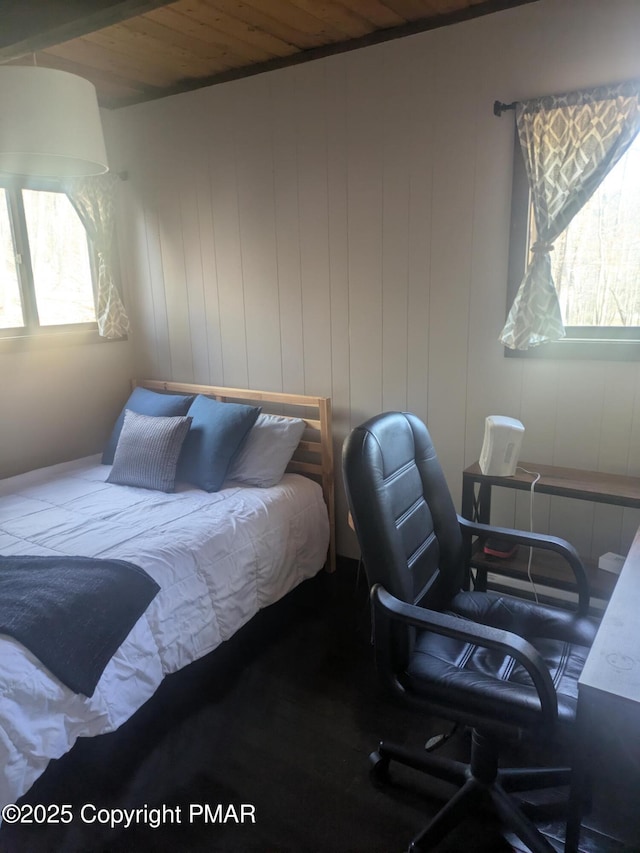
341, 228
59, 403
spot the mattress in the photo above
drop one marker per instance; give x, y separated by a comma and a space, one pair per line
219, 558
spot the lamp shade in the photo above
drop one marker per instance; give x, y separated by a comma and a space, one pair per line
49, 124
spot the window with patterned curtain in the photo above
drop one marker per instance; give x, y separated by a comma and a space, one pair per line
57, 258
576, 225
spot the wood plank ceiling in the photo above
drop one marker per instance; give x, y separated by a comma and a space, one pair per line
137, 50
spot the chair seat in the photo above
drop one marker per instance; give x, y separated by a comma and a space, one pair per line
489, 684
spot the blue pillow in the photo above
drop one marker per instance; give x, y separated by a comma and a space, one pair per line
217, 432
145, 402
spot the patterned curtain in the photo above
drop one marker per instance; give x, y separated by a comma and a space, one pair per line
94, 200
569, 143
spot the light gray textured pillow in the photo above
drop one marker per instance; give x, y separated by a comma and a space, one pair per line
266, 452
147, 451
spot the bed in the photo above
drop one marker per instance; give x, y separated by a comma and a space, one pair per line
217, 556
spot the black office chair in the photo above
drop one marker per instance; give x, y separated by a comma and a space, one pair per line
498, 664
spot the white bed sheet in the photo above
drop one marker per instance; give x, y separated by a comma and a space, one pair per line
218, 558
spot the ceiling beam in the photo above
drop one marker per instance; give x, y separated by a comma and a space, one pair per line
23, 33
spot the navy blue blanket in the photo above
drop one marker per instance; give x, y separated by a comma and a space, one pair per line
72, 613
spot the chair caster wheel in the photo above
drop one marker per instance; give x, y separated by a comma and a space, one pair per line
379, 770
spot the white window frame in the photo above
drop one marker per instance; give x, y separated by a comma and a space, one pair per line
32, 329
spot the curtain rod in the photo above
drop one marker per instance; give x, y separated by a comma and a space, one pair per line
499, 107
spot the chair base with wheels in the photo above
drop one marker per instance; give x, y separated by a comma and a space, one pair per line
482, 787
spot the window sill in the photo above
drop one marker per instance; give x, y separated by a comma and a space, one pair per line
582, 348
49, 340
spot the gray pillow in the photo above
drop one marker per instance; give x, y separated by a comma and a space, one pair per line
147, 451
146, 402
263, 458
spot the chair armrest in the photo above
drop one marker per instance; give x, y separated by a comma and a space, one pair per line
391, 608
542, 541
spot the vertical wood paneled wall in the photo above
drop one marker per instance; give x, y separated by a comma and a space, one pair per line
341, 228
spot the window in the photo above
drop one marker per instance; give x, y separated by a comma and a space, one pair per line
581, 272
46, 264
595, 265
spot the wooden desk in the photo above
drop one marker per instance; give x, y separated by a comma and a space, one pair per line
609, 687
594, 486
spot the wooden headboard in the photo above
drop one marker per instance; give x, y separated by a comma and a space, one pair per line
313, 456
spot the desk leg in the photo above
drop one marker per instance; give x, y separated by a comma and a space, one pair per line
468, 497
475, 510
483, 515
580, 777
468, 500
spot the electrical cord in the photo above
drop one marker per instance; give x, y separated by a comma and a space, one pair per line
537, 476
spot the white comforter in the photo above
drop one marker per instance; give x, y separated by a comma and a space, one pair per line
218, 558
